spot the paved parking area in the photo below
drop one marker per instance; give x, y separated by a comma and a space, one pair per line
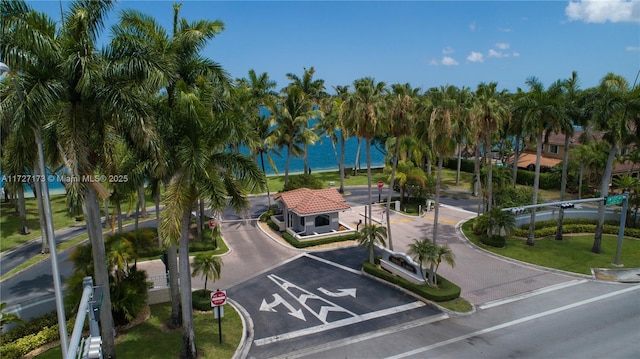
312, 300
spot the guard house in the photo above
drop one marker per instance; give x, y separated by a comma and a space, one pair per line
309, 212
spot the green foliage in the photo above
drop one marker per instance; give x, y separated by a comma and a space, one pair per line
273, 225
303, 181
128, 296
465, 164
493, 241
445, 291
571, 226
270, 212
316, 242
549, 181
20, 340
201, 300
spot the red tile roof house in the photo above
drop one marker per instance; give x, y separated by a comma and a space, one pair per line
311, 213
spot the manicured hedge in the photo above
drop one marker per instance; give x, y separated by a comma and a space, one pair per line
21, 340
495, 241
316, 242
547, 180
575, 228
444, 292
273, 225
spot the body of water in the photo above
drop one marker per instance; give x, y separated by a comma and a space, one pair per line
321, 158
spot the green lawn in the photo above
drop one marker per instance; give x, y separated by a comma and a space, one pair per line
573, 254
151, 340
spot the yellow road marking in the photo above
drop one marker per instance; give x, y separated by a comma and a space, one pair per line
440, 220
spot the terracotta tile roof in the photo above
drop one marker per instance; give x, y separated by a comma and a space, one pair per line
527, 158
308, 201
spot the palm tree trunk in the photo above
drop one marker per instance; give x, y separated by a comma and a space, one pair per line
263, 171
536, 184
142, 201
286, 167
459, 165
357, 162
199, 219
188, 350
44, 248
516, 156
157, 205
100, 271
175, 320
369, 196
604, 191
24, 228
341, 166
563, 186
580, 180
476, 185
119, 216
489, 174
394, 165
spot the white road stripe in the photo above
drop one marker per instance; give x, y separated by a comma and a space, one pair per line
337, 324
363, 337
533, 293
332, 263
511, 323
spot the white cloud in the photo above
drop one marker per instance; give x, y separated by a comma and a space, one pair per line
516, 54
475, 57
472, 26
502, 45
434, 62
599, 11
448, 50
632, 48
497, 54
504, 29
449, 61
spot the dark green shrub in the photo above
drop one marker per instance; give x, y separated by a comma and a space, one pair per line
303, 181
444, 292
465, 164
128, 296
201, 300
547, 180
273, 225
494, 241
316, 242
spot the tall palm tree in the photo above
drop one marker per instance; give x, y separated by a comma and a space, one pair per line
572, 112
290, 116
370, 236
490, 110
614, 106
443, 253
365, 107
209, 266
401, 113
540, 109
313, 91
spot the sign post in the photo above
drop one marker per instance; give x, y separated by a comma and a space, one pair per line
218, 299
380, 185
623, 219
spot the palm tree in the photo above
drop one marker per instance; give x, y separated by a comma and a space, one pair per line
313, 91
207, 265
540, 109
614, 106
365, 108
401, 106
7, 318
490, 110
565, 125
290, 116
423, 252
443, 253
371, 235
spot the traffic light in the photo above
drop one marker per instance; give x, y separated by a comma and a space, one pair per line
566, 205
517, 210
165, 259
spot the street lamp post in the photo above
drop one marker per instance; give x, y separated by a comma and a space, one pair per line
46, 203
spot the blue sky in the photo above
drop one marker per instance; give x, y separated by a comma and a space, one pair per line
425, 43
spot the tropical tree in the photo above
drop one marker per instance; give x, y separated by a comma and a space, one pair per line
313, 91
208, 265
400, 118
291, 114
615, 105
370, 236
424, 252
443, 253
572, 112
7, 318
489, 110
540, 110
365, 108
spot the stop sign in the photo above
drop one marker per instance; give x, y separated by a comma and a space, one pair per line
380, 184
212, 223
218, 298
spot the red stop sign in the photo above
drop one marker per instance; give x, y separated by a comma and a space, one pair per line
212, 223
218, 298
380, 184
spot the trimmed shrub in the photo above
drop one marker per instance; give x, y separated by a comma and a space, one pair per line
273, 225
444, 292
495, 241
201, 300
316, 242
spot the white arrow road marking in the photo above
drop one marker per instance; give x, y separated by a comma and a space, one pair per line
340, 293
303, 298
278, 300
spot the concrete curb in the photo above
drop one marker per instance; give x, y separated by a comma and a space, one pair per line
247, 333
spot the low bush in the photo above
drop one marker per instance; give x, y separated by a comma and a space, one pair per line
571, 228
273, 225
444, 292
201, 300
495, 241
19, 341
316, 242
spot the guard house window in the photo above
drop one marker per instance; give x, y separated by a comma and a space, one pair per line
553, 148
322, 220
302, 221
